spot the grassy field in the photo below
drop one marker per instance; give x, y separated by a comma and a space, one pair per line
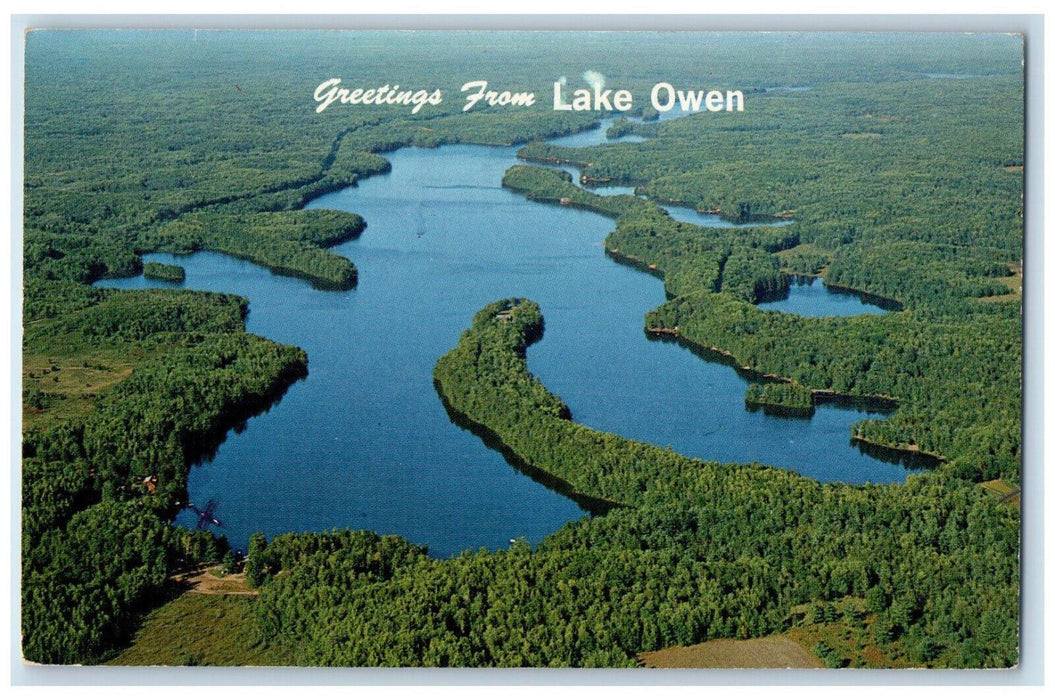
776, 651
1013, 282
1004, 491
198, 629
69, 383
808, 643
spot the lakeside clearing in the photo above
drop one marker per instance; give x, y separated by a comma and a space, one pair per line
208, 622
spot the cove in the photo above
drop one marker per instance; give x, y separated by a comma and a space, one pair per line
809, 296
365, 442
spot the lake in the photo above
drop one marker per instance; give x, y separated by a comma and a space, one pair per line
364, 440
809, 296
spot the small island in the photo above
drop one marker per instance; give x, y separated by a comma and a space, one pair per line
167, 273
780, 399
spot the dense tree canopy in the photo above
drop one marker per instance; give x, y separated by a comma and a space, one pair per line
698, 550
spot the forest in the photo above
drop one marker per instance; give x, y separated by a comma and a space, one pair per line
167, 273
900, 185
699, 550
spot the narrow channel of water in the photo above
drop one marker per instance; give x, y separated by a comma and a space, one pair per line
595, 137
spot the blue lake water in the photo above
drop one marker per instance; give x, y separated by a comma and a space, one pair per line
364, 441
809, 296
594, 137
690, 215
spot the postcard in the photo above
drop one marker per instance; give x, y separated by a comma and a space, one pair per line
510, 348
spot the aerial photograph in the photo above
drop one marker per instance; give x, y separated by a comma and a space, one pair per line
508, 348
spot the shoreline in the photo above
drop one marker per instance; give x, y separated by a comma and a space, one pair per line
878, 403
594, 506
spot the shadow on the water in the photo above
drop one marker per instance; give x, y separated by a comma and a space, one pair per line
866, 404
709, 355
906, 458
592, 505
882, 302
635, 264
910, 459
784, 293
800, 280
202, 447
788, 412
